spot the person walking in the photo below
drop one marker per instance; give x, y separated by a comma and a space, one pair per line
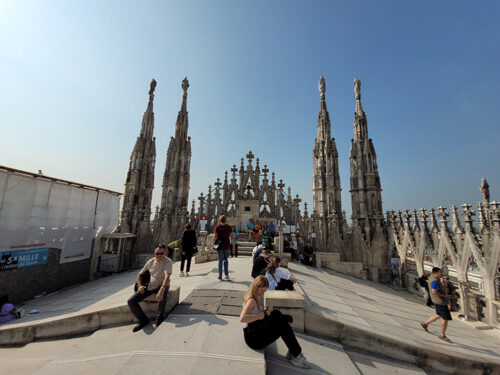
222, 236
188, 248
441, 303
160, 270
262, 327
235, 235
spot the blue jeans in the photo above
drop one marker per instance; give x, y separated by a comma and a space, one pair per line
222, 256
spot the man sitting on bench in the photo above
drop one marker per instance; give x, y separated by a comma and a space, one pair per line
160, 269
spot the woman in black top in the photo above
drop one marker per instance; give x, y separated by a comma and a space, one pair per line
188, 245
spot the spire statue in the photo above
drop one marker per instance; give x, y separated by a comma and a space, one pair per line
357, 89
322, 86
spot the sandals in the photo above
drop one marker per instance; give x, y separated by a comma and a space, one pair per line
424, 327
444, 338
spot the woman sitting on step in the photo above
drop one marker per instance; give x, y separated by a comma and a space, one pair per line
278, 279
263, 327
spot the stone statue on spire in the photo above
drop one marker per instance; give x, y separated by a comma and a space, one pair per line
485, 189
357, 88
322, 86
185, 85
152, 87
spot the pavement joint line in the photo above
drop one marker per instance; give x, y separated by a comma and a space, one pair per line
137, 353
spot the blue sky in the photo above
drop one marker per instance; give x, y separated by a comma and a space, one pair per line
74, 78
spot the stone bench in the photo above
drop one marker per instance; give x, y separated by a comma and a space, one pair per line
288, 302
149, 304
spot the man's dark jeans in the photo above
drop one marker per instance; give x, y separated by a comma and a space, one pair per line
133, 304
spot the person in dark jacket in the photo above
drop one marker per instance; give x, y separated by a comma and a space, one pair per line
260, 264
188, 248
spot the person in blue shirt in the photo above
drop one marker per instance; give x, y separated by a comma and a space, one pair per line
250, 229
442, 304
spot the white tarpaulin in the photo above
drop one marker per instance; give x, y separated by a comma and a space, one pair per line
36, 211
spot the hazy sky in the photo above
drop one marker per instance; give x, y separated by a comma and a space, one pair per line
74, 81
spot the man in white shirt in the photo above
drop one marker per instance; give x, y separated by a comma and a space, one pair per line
160, 269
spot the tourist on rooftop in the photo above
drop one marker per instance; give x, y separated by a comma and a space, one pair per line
223, 236
256, 252
266, 237
256, 230
441, 302
260, 264
7, 310
160, 269
188, 248
277, 277
250, 229
307, 255
235, 235
263, 327
271, 228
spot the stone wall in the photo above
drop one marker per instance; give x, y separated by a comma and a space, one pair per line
25, 283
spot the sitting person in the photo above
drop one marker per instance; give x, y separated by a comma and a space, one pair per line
266, 237
250, 229
287, 248
278, 279
160, 269
256, 252
260, 264
271, 228
307, 255
262, 327
7, 310
257, 230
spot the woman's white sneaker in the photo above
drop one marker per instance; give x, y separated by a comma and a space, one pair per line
300, 361
181, 274
187, 274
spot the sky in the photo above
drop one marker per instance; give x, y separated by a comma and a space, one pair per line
74, 82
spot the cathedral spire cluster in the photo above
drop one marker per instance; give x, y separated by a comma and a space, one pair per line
139, 184
366, 241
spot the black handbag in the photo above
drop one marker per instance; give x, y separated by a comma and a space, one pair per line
195, 249
145, 278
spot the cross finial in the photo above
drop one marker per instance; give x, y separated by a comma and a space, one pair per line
250, 156
217, 184
281, 185
234, 169
443, 215
265, 170
467, 213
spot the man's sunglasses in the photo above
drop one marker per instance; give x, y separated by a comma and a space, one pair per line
159, 253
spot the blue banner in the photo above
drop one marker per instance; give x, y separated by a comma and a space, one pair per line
14, 259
